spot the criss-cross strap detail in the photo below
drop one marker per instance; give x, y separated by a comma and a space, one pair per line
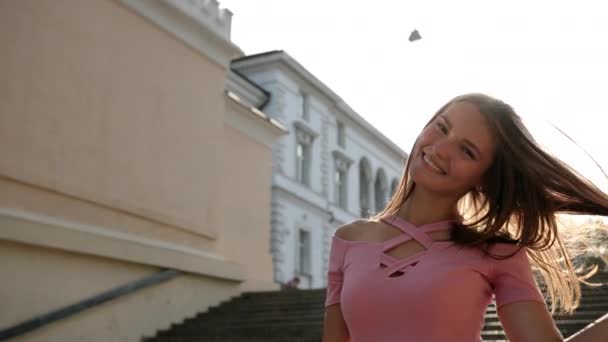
399, 264
411, 232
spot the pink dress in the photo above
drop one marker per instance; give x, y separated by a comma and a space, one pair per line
442, 294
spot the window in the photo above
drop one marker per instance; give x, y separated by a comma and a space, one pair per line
381, 190
303, 163
304, 140
341, 165
340, 190
305, 112
341, 135
303, 256
299, 162
394, 186
365, 189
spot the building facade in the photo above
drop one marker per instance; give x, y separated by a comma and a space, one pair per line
124, 138
332, 168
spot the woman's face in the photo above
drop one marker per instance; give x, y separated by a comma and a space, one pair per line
453, 151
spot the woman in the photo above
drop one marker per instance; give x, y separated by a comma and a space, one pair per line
477, 197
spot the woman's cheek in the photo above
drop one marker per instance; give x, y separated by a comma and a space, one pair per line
426, 136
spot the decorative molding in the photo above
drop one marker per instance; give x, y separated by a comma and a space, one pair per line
304, 133
199, 23
325, 172
277, 238
248, 92
209, 13
278, 159
278, 102
41, 230
328, 232
281, 58
251, 121
341, 215
342, 161
303, 200
276, 108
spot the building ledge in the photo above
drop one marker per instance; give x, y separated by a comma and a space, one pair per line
252, 121
202, 25
45, 231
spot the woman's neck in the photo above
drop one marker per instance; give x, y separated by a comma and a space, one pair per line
424, 207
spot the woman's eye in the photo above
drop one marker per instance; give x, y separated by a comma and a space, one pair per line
442, 127
468, 152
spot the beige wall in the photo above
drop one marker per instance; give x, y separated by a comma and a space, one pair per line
64, 278
116, 161
105, 106
245, 204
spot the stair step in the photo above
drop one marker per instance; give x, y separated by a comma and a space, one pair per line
297, 316
232, 339
258, 331
320, 300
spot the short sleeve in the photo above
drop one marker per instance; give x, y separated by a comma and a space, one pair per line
335, 271
512, 279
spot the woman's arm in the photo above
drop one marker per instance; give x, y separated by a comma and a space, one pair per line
334, 327
596, 331
528, 321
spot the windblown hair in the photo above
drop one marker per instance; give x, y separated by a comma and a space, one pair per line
522, 196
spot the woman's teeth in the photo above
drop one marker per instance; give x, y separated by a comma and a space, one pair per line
433, 165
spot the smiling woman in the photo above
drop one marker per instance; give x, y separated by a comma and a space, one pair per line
457, 145
475, 210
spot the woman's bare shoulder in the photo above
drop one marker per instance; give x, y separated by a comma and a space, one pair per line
352, 231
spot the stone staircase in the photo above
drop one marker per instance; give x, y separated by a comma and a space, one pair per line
297, 316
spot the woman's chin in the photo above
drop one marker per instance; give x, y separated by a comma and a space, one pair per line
429, 184
424, 177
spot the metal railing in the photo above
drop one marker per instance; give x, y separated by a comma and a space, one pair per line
87, 303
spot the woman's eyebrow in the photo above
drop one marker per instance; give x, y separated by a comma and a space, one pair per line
466, 141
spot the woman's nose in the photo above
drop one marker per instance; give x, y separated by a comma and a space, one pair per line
442, 148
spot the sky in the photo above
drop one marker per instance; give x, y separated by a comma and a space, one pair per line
548, 59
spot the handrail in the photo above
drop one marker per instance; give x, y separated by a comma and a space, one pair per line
87, 303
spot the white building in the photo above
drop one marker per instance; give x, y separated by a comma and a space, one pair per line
332, 168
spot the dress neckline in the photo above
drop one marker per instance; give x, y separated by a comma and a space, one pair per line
407, 227
404, 225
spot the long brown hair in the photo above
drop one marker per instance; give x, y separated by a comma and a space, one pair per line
520, 199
